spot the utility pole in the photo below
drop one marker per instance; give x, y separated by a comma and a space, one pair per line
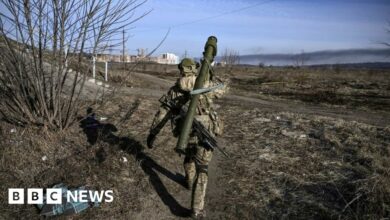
185, 54
124, 47
123, 50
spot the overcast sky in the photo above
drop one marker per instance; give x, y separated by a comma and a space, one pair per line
255, 26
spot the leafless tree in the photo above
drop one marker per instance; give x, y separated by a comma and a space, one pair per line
39, 38
230, 57
300, 59
388, 31
261, 65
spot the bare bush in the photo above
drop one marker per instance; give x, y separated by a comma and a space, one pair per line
300, 59
230, 57
39, 39
388, 31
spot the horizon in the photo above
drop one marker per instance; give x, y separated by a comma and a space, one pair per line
321, 57
347, 56
281, 53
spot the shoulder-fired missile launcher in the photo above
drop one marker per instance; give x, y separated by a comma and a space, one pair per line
210, 51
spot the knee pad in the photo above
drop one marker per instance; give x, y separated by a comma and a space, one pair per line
203, 168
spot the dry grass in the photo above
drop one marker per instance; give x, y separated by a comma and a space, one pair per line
365, 89
282, 165
73, 161
305, 167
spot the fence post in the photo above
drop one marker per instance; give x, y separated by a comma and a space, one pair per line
66, 56
93, 67
106, 72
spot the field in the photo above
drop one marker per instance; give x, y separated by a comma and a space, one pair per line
304, 143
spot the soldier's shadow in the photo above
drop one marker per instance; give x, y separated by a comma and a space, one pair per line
151, 168
97, 131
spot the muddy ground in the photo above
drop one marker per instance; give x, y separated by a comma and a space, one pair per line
303, 144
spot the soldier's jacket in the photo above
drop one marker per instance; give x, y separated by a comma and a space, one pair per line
179, 94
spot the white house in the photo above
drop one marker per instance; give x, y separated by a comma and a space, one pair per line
168, 58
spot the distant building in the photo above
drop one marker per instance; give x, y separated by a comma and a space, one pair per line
168, 58
222, 63
117, 58
109, 58
141, 52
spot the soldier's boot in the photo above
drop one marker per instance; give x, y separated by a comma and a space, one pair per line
198, 215
199, 193
190, 172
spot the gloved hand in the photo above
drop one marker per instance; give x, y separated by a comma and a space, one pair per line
180, 151
150, 140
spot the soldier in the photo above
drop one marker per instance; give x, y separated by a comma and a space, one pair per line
197, 156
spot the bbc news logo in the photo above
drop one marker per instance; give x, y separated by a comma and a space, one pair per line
55, 196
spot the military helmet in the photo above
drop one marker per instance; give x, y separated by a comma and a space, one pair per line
186, 62
188, 66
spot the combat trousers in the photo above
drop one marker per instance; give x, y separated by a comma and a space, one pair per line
196, 165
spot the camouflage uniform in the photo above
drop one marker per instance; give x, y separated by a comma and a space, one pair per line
197, 156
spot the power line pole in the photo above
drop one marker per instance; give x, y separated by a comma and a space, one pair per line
124, 47
123, 51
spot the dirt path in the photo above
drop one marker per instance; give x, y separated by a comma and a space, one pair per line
153, 79
382, 119
215, 187
169, 199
